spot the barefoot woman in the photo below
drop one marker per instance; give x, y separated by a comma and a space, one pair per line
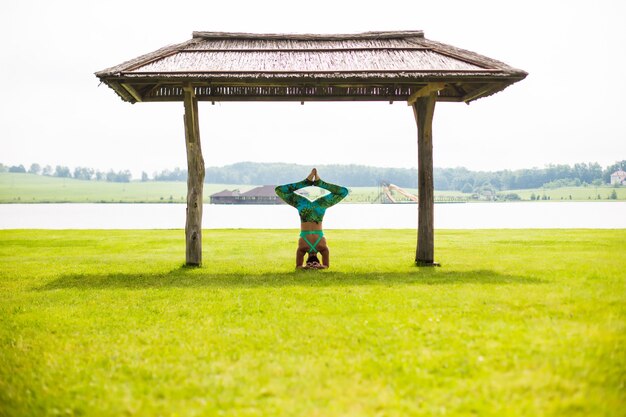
311, 213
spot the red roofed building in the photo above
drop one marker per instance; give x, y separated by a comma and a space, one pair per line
225, 197
259, 195
618, 177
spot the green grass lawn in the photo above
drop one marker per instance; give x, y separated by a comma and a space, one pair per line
515, 323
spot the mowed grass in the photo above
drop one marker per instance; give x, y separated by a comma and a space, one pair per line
514, 323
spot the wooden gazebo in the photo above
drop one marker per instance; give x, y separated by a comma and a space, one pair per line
372, 66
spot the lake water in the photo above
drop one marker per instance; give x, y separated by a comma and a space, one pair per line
605, 215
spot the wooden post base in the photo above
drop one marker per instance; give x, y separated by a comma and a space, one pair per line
423, 263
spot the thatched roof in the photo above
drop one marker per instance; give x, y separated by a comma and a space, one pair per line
289, 67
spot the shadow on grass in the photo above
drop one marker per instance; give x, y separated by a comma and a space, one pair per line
190, 278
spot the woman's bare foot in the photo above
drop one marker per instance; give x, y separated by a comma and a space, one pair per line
312, 175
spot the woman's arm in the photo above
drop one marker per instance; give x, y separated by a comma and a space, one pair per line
287, 192
337, 193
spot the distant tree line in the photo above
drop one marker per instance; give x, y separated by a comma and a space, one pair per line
451, 179
552, 176
277, 173
79, 173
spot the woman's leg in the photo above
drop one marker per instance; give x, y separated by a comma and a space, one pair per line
322, 247
303, 248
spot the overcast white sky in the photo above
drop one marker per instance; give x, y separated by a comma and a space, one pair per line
569, 109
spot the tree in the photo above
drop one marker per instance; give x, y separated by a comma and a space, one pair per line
82, 173
467, 188
512, 197
441, 182
595, 172
606, 175
144, 176
35, 169
181, 175
3, 168
62, 172
121, 176
613, 195
17, 168
47, 170
124, 176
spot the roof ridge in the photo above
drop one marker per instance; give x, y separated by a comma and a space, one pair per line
310, 36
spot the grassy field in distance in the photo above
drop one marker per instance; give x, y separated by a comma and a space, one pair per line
588, 193
30, 188
514, 323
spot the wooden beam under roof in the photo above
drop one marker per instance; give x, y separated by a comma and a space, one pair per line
132, 91
425, 91
479, 92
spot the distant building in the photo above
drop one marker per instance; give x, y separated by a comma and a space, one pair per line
225, 197
259, 195
618, 177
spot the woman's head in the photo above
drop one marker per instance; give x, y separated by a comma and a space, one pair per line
312, 259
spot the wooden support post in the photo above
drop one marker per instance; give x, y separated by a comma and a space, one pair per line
423, 109
195, 179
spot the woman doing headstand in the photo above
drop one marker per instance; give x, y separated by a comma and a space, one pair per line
311, 213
